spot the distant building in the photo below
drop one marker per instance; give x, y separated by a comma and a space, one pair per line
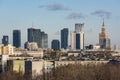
65, 63
32, 46
79, 27
36, 54
116, 47
34, 67
106, 43
64, 38
31, 68
6, 50
38, 36
96, 47
104, 40
34, 35
16, 65
22, 54
1, 47
55, 44
3, 62
44, 40
89, 47
17, 38
74, 53
5, 40
77, 37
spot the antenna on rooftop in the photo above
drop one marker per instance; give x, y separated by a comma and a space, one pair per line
32, 25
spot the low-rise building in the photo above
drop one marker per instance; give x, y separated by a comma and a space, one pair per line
34, 67
16, 65
36, 53
74, 53
48, 65
64, 63
6, 50
32, 46
3, 62
1, 45
31, 67
20, 57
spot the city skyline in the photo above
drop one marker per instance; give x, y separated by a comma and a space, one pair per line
53, 15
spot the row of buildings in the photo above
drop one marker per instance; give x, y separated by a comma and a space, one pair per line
39, 39
34, 36
77, 39
35, 60
33, 67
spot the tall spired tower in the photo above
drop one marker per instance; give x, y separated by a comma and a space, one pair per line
104, 40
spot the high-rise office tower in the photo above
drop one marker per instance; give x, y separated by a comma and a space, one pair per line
79, 27
77, 37
104, 40
17, 38
64, 38
5, 40
55, 44
44, 40
34, 35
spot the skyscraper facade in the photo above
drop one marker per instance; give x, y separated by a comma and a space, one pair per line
77, 37
55, 44
17, 38
78, 27
5, 40
44, 39
64, 38
104, 40
34, 35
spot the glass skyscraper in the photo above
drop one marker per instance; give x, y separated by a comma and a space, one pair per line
44, 40
106, 43
55, 44
77, 37
64, 38
17, 38
38, 36
34, 35
5, 40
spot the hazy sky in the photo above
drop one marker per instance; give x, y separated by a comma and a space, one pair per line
53, 15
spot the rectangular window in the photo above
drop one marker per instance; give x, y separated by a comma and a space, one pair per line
77, 41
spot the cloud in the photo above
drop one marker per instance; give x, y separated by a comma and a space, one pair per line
76, 16
102, 13
54, 7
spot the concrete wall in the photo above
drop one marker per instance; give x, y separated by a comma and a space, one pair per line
18, 66
37, 68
